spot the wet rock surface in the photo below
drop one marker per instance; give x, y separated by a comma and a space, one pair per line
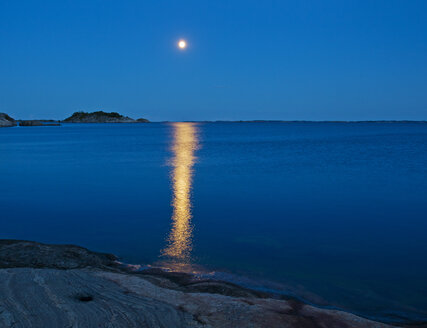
69, 286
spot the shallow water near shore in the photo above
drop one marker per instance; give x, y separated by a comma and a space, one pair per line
333, 213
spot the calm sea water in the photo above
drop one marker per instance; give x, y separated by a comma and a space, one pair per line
333, 213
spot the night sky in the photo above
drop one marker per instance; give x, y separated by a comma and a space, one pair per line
280, 60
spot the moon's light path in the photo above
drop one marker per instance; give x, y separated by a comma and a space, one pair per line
185, 143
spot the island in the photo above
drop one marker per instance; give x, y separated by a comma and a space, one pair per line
101, 117
38, 123
6, 120
70, 286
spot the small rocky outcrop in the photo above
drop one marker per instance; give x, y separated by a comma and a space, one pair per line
6, 120
38, 123
101, 117
21, 253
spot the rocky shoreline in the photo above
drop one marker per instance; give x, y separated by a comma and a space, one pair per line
38, 123
77, 117
6, 121
101, 117
69, 286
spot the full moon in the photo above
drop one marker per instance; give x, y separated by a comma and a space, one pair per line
182, 44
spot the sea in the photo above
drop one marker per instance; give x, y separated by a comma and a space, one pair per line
334, 214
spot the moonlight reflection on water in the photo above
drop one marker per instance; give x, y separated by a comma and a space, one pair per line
185, 143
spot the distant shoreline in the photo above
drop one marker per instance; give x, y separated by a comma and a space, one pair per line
301, 121
103, 118
51, 123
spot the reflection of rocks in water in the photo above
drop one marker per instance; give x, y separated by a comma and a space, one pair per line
69, 286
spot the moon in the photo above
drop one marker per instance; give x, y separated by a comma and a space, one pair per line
182, 44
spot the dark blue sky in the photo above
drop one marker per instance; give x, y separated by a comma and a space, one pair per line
305, 60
